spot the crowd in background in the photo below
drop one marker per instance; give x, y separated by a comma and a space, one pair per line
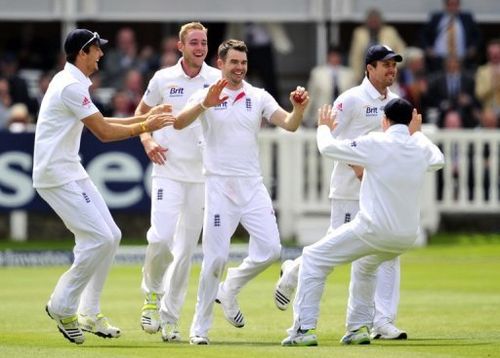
442, 75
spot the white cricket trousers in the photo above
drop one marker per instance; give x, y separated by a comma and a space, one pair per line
388, 274
176, 222
223, 212
339, 247
85, 214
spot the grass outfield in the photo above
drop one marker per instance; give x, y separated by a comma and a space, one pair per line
450, 306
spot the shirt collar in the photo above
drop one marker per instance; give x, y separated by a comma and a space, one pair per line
373, 92
77, 73
399, 129
180, 71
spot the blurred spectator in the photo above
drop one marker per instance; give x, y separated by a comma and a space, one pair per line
372, 32
43, 84
488, 78
20, 119
168, 59
101, 98
18, 86
454, 90
134, 87
451, 32
413, 81
121, 106
325, 84
5, 102
490, 119
120, 59
169, 45
262, 40
169, 52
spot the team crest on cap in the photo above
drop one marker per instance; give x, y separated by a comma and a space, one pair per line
338, 107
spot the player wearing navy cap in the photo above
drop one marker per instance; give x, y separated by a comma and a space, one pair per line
359, 111
61, 180
387, 224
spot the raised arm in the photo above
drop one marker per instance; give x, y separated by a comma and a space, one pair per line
291, 121
191, 112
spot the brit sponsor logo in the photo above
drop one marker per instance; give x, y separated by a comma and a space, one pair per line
371, 111
221, 107
176, 91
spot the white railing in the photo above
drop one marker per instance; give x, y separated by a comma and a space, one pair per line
298, 178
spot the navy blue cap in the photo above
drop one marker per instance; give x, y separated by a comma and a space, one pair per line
80, 38
381, 53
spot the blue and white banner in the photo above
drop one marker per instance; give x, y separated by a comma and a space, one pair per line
120, 170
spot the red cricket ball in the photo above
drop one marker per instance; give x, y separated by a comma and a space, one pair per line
298, 98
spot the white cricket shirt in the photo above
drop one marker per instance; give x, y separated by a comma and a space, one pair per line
395, 164
359, 111
231, 129
59, 129
184, 157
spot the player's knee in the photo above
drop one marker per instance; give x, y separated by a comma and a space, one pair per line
274, 253
159, 234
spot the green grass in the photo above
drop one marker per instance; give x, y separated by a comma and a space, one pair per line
450, 306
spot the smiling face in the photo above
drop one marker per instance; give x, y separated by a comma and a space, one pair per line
234, 67
194, 48
382, 74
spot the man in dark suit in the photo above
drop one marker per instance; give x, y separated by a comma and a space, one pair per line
453, 90
451, 32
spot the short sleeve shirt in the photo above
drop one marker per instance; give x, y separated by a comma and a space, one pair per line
59, 128
230, 130
184, 157
359, 111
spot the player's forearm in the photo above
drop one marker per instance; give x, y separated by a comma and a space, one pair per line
188, 116
119, 131
127, 120
293, 120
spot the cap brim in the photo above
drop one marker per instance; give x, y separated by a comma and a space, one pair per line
392, 56
102, 42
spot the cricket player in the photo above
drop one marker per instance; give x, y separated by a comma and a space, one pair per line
177, 198
61, 180
359, 111
387, 224
231, 112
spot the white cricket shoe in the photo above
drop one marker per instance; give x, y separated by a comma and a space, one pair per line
150, 315
284, 288
388, 331
303, 338
68, 326
98, 325
230, 307
359, 336
170, 332
199, 341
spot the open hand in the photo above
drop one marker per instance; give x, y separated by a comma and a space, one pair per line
213, 97
326, 116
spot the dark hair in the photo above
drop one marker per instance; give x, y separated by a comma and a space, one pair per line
231, 44
71, 57
399, 111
